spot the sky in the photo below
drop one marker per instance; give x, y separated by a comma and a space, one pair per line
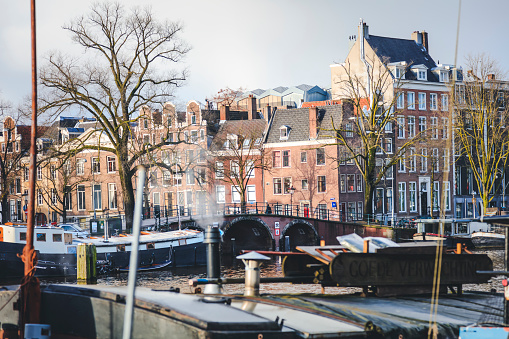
261, 44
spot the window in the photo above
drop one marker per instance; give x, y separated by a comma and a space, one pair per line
402, 165
389, 199
446, 158
153, 179
445, 102
350, 182
436, 190
194, 137
250, 168
304, 184
400, 103
287, 184
96, 166
342, 183
220, 194
39, 173
322, 185
286, 158
219, 169
421, 74
202, 135
177, 179
359, 210
26, 171
351, 212
186, 136
40, 236
411, 160
81, 198
424, 160
435, 160
359, 183
422, 126
57, 237
190, 176
52, 170
422, 101
433, 101
251, 193
402, 196
111, 164
97, 197
166, 178
283, 133
235, 194
80, 166
40, 199
201, 176
68, 198
112, 196
303, 157
447, 189
434, 127
411, 127
320, 156
193, 119
411, 100
276, 159
388, 145
54, 196
444, 76
349, 130
445, 128
401, 127
234, 168
18, 185
277, 185
412, 197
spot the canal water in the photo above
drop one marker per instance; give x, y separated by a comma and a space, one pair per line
179, 278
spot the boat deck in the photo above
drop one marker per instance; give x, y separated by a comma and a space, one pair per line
233, 316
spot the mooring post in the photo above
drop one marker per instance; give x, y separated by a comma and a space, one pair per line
212, 240
86, 265
287, 243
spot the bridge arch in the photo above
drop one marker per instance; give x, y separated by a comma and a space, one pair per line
300, 232
250, 233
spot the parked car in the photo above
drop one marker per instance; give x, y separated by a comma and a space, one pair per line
76, 231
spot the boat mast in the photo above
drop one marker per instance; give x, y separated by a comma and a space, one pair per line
30, 284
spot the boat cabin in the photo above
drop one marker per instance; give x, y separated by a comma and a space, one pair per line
46, 239
451, 227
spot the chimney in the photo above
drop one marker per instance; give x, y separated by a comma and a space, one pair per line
363, 30
252, 113
491, 76
417, 37
267, 112
224, 113
424, 37
313, 113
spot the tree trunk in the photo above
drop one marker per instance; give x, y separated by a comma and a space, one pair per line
5, 209
368, 201
127, 189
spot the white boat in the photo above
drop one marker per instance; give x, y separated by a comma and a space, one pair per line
57, 250
451, 231
485, 240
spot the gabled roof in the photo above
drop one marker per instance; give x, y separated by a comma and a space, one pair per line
297, 120
252, 128
397, 50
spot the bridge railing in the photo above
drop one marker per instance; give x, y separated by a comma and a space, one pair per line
296, 210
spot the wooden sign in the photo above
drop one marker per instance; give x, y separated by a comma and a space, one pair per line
376, 269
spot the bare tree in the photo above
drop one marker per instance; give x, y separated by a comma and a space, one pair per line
366, 130
480, 122
228, 97
236, 153
129, 67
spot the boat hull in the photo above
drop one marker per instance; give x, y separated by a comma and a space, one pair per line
486, 240
449, 241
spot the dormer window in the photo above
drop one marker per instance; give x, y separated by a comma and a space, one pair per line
284, 132
399, 73
444, 76
421, 72
193, 119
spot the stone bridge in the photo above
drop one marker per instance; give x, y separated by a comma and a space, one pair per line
269, 232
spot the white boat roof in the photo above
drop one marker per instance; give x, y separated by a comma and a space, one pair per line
145, 237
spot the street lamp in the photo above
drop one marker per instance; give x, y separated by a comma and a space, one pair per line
292, 190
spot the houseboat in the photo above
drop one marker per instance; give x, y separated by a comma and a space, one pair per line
452, 231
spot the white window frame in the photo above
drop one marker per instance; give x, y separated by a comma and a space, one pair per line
111, 162
220, 194
433, 101
80, 166
444, 102
81, 198
236, 198
422, 101
411, 100
424, 160
401, 127
434, 128
402, 196
412, 160
400, 101
412, 196
411, 126
251, 193
219, 169
112, 196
